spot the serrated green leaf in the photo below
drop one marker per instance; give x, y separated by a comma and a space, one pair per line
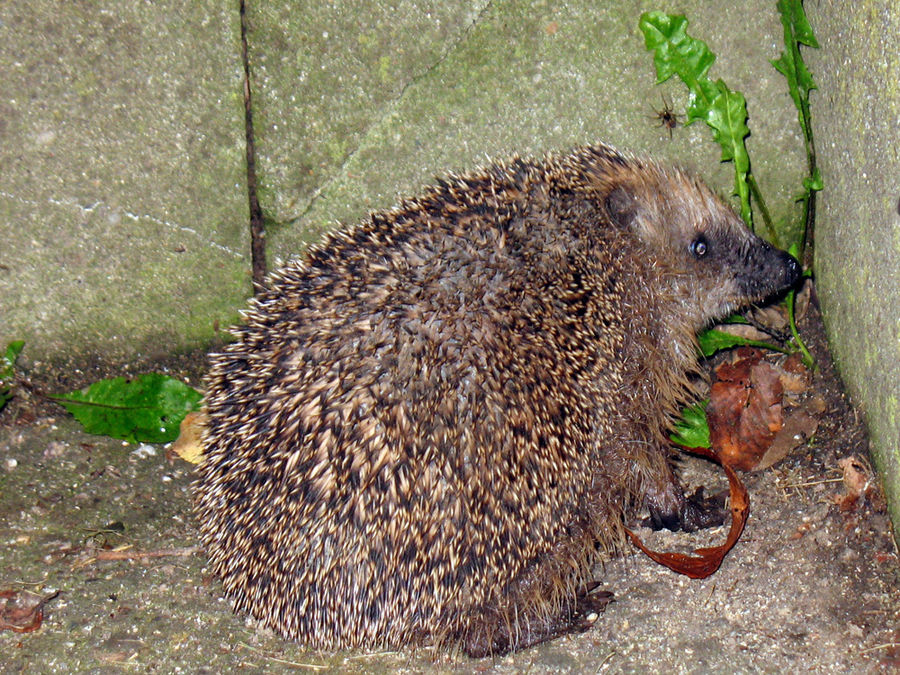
148, 408
712, 341
692, 430
790, 64
728, 119
802, 30
676, 53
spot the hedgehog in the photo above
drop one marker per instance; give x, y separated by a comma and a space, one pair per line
433, 425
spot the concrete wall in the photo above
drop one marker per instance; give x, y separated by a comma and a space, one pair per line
122, 202
857, 248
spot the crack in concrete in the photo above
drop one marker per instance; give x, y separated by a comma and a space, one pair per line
257, 224
390, 107
137, 217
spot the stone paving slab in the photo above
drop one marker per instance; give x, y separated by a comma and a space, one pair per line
123, 194
801, 592
363, 116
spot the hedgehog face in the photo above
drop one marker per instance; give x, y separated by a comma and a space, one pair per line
713, 263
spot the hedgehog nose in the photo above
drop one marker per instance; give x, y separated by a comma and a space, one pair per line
792, 270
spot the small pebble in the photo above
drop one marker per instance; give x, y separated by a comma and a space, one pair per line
144, 450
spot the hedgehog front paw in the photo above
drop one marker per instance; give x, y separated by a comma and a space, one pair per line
695, 512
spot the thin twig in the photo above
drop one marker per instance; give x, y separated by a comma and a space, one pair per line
296, 664
126, 554
885, 645
810, 483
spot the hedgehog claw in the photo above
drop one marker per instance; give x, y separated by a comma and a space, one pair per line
587, 610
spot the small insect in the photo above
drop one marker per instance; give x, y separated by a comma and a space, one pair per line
667, 117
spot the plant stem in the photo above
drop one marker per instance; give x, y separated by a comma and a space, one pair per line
805, 355
763, 209
810, 201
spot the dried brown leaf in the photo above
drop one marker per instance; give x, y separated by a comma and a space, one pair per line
860, 484
744, 411
773, 316
797, 429
189, 445
22, 612
794, 375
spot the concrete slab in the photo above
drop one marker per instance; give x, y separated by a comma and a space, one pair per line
352, 115
857, 114
123, 195
807, 589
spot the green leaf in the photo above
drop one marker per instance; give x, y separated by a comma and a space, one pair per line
148, 408
712, 341
797, 31
8, 360
728, 119
676, 53
815, 182
692, 430
7, 370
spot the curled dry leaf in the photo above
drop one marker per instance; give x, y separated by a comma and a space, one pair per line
188, 445
744, 409
705, 561
859, 484
22, 612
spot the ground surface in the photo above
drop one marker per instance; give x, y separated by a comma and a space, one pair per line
809, 588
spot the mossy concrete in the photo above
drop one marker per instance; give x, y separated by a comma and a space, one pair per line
356, 111
857, 243
123, 203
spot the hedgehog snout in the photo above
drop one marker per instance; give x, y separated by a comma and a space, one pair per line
767, 270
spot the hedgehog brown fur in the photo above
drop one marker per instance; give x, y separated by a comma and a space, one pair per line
432, 424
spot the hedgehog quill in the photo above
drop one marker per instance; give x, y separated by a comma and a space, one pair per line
434, 424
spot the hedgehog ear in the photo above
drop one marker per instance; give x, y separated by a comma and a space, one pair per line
621, 206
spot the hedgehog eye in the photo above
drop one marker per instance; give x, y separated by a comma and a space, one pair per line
699, 247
